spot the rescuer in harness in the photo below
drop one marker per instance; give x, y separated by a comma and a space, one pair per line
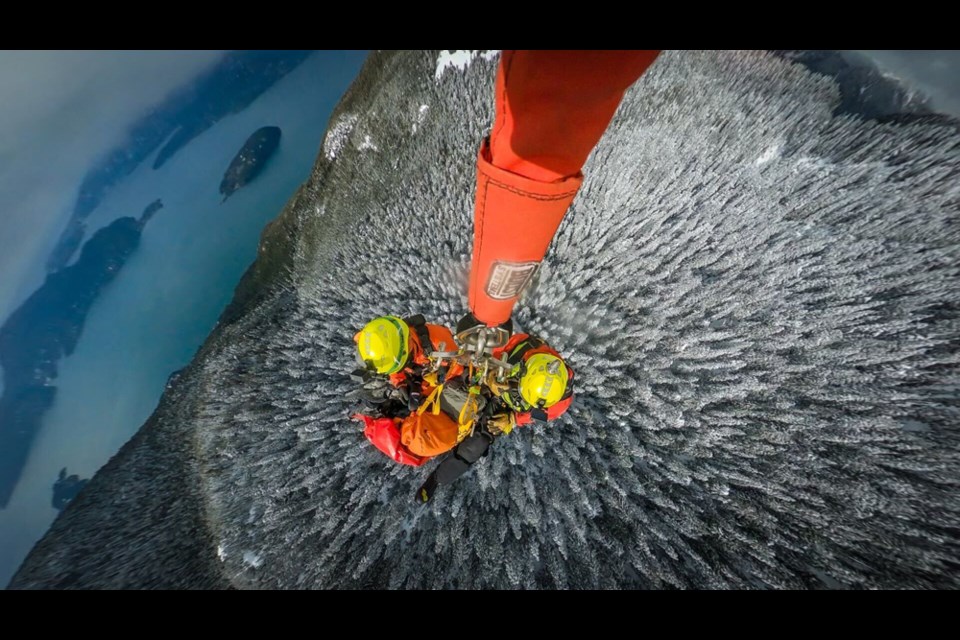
403, 384
394, 352
538, 388
449, 406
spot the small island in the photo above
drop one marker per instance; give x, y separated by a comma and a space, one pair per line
250, 160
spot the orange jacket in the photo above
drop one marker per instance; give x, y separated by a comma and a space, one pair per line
552, 107
419, 356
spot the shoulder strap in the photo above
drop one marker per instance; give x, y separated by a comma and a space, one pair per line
419, 325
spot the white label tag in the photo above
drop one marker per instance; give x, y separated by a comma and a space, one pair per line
509, 279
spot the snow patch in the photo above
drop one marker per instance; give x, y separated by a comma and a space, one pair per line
461, 59
337, 136
252, 559
367, 143
768, 155
421, 116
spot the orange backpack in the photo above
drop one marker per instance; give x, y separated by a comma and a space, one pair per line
426, 434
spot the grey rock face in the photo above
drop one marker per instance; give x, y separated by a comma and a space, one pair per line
759, 299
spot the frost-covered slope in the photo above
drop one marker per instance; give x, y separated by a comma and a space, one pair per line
759, 299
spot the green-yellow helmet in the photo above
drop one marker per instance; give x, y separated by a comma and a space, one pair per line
544, 380
384, 343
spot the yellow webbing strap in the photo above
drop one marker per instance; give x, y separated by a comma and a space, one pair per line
434, 400
468, 414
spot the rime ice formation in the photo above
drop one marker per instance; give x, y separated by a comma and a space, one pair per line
759, 298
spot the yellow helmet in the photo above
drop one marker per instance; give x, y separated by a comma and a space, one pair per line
544, 380
384, 343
